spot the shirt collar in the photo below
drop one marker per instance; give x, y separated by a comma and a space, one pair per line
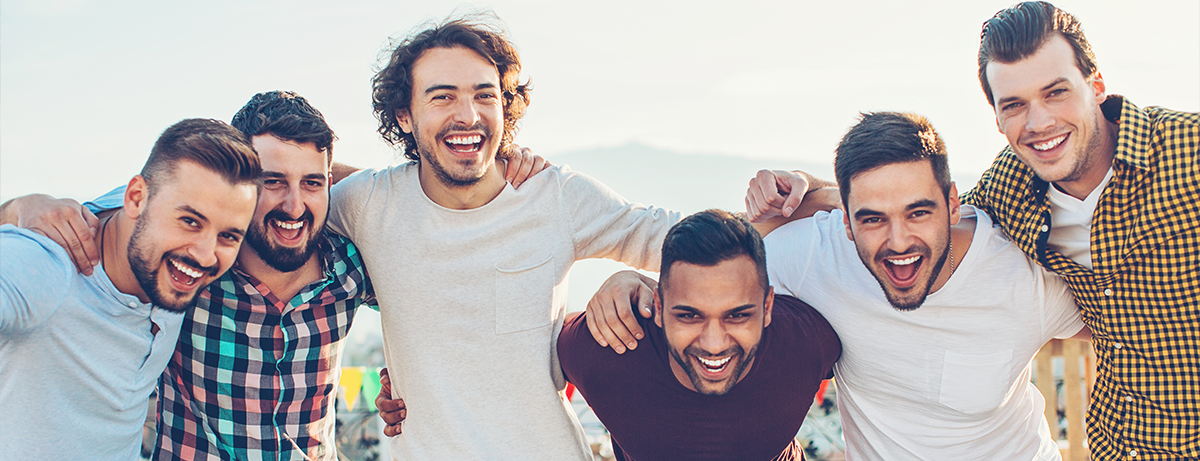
1133, 133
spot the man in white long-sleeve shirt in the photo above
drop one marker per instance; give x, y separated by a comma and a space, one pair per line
470, 273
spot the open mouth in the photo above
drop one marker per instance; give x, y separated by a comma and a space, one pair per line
714, 367
903, 271
1050, 144
183, 275
289, 232
464, 144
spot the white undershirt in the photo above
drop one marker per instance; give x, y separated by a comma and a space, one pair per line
1071, 222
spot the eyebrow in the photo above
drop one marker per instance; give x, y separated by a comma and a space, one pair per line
867, 212
480, 86
692, 310
277, 174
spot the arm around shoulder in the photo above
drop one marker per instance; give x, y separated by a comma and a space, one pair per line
35, 275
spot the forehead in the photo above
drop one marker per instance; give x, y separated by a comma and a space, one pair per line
729, 284
200, 189
458, 66
1054, 60
894, 186
279, 155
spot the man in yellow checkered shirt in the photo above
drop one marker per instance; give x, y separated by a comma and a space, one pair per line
1103, 193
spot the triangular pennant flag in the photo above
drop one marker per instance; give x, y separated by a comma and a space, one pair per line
370, 387
352, 380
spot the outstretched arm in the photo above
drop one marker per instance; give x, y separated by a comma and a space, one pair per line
64, 221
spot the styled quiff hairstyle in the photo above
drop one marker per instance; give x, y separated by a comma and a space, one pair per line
1017, 32
709, 238
211, 144
392, 87
288, 116
885, 138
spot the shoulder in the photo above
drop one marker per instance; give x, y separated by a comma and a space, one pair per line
580, 354
368, 181
31, 249
805, 329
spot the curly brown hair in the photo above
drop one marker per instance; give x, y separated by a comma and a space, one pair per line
392, 85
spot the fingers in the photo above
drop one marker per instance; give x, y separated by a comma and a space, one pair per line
763, 199
795, 185
645, 301
604, 323
64, 221
392, 411
84, 252
525, 168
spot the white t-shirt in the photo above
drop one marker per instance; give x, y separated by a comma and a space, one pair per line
472, 302
949, 380
1071, 222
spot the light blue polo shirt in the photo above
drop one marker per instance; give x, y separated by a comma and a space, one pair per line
77, 358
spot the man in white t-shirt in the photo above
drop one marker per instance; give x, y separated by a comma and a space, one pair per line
470, 274
939, 314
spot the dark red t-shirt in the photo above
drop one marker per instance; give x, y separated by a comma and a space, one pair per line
652, 416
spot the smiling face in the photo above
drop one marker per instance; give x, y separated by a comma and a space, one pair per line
898, 219
293, 205
1050, 113
713, 318
456, 115
187, 233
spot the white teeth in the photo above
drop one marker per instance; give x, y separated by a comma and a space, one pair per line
289, 226
1050, 144
186, 270
905, 261
464, 139
714, 363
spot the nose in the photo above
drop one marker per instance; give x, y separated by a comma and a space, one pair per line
1038, 118
899, 237
293, 204
714, 339
204, 249
465, 112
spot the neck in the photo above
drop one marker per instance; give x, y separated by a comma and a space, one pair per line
961, 235
284, 285
467, 197
114, 254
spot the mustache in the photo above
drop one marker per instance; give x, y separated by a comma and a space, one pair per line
735, 351
279, 215
211, 271
457, 126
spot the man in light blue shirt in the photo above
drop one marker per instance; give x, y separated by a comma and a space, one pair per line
80, 354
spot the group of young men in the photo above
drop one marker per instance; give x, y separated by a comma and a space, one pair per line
1089, 205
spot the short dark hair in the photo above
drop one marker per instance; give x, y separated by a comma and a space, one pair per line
211, 144
709, 238
884, 138
1019, 31
392, 86
288, 116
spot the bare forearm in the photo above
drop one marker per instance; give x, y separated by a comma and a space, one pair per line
341, 170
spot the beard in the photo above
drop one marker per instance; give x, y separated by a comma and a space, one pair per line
147, 273
460, 180
280, 258
689, 367
894, 298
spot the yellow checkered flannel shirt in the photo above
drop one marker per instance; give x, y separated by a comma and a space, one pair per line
1142, 297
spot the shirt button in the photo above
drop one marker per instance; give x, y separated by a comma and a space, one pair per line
1108, 292
132, 304
1133, 453
1118, 345
1045, 228
1129, 398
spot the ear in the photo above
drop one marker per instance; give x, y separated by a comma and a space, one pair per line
658, 310
846, 221
137, 194
955, 204
404, 119
768, 302
1098, 89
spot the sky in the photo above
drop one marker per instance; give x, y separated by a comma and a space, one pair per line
87, 86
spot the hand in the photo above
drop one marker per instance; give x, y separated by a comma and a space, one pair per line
522, 163
392, 411
610, 312
64, 221
764, 199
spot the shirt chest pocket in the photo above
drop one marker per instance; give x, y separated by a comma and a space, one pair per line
974, 383
524, 293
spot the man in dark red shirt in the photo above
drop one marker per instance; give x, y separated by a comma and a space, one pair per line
727, 369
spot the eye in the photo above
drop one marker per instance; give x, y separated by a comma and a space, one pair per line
686, 316
272, 183
1057, 92
230, 238
921, 213
871, 220
1011, 106
314, 184
189, 222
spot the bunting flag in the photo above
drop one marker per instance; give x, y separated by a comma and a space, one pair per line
371, 387
352, 380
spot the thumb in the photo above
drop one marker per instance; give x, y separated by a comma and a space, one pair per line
792, 202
